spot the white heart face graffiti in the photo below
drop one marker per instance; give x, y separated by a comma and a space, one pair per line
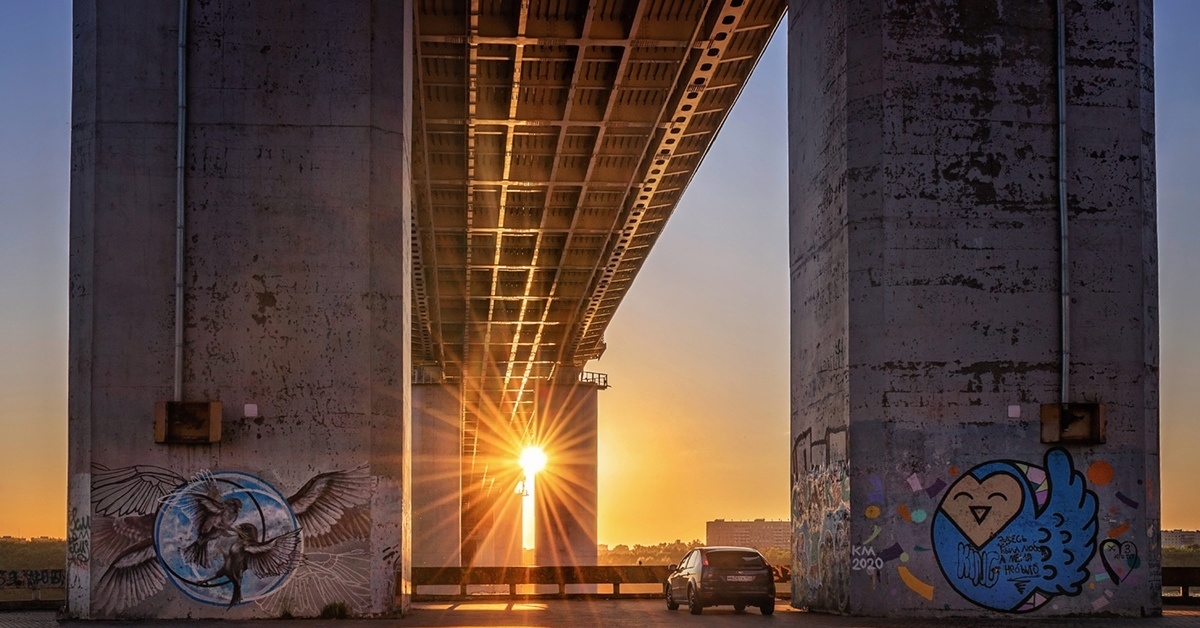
982, 509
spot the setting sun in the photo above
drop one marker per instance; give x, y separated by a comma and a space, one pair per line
532, 460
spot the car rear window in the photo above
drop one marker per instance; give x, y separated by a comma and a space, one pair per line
735, 560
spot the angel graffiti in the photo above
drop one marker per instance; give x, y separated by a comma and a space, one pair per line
223, 538
1010, 536
226, 537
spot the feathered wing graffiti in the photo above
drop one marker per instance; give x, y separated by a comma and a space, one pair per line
264, 558
131, 490
1010, 536
318, 578
223, 538
125, 502
1066, 527
329, 507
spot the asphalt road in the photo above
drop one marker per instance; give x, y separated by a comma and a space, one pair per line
609, 614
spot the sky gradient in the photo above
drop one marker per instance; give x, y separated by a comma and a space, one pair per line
697, 354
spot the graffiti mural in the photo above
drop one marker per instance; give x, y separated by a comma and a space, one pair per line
224, 538
1009, 536
821, 521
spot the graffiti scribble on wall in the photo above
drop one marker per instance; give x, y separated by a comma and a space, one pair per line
31, 578
79, 537
1119, 559
821, 521
224, 538
1009, 536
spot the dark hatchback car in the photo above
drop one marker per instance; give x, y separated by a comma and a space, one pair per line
711, 576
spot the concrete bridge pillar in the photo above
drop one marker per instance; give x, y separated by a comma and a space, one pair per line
929, 478
437, 474
565, 519
295, 330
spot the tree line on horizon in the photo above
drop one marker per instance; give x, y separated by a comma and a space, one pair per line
670, 553
33, 553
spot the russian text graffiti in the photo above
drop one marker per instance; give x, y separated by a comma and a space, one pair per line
31, 578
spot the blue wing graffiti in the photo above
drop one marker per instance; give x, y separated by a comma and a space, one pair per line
1009, 536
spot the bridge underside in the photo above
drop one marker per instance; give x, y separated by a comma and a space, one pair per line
552, 141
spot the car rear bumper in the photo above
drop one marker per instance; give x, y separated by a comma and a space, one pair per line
714, 597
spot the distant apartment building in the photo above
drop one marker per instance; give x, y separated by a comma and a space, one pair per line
759, 534
1180, 538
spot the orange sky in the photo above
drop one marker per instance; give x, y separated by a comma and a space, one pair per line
696, 424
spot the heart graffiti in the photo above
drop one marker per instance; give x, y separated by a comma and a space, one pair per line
982, 509
1119, 559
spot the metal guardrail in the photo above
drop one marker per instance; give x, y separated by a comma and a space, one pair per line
425, 376
561, 576
599, 380
1184, 578
614, 575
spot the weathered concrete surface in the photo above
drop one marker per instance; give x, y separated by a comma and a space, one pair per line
565, 519
437, 475
820, 303
297, 300
924, 248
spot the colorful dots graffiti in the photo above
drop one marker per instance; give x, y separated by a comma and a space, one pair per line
1009, 536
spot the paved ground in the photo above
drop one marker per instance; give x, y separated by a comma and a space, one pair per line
610, 614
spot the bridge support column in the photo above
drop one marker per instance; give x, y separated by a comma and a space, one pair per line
927, 476
295, 329
565, 495
437, 475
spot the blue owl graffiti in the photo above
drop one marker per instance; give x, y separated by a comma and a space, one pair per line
1010, 536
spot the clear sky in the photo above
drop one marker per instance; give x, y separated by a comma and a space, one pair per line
698, 353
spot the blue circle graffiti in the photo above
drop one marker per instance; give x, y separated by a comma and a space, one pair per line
1010, 536
227, 538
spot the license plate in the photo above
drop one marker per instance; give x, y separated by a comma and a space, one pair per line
740, 578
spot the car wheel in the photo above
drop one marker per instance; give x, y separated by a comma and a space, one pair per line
671, 603
694, 601
767, 608
739, 608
